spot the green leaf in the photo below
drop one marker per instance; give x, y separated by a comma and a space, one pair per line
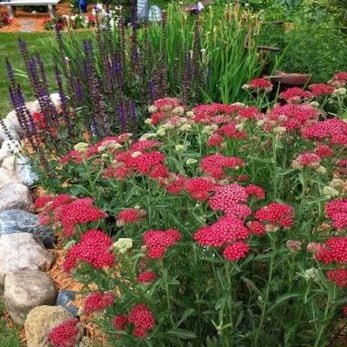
182, 334
283, 299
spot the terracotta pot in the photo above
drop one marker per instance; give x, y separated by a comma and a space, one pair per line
290, 79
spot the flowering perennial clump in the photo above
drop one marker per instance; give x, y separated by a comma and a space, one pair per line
209, 188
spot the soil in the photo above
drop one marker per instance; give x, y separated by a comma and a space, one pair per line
34, 22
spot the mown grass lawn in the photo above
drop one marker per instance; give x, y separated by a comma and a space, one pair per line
8, 337
37, 42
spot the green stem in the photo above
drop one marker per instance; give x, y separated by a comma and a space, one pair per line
267, 292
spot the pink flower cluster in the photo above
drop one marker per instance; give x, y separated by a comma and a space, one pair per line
68, 211
276, 214
140, 317
307, 159
336, 210
319, 89
94, 248
334, 130
98, 301
130, 216
295, 95
260, 85
291, 116
214, 165
339, 79
64, 334
157, 241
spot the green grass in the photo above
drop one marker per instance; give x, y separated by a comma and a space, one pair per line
37, 42
8, 337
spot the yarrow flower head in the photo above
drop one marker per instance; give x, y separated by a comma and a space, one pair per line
199, 188
236, 251
260, 85
80, 211
333, 251
339, 276
120, 321
276, 214
339, 79
336, 210
157, 241
320, 89
231, 199
295, 95
98, 301
225, 230
146, 277
130, 216
94, 248
142, 319
65, 334
214, 164
307, 159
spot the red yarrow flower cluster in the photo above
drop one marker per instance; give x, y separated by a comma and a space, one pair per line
323, 151
333, 251
333, 129
142, 319
236, 251
336, 210
319, 89
158, 241
291, 116
130, 216
94, 248
339, 276
225, 230
307, 159
260, 84
64, 334
214, 165
209, 113
146, 277
230, 200
80, 211
339, 79
98, 301
120, 321
295, 95
176, 184
199, 188
276, 214
167, 104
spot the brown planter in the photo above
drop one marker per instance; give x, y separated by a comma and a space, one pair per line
290, 79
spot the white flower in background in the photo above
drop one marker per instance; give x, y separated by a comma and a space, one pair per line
185, 127
190, 114
312, 274
122, 245
191, 161
178, 110
148, 121
330, 192
322, 170
337, 183
179, 148
80, 147
152, 109
340, 91
279, 130
161, 132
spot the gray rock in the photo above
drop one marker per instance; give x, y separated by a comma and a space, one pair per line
25, 290
41, 320
73, 310
7, 177
15, 196
22, 251
19, 221
64, 297
24, 171
9, 147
